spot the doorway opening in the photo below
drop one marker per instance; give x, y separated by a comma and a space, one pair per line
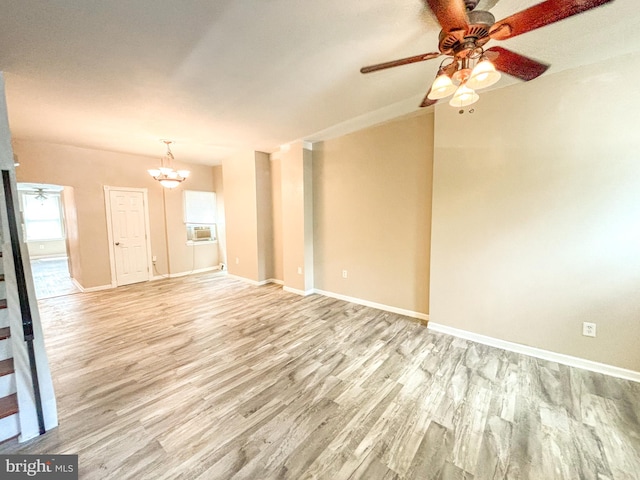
45, 232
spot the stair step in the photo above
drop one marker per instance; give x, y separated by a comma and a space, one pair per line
6, 367
3, 303
1, 277
8, 405
5, 332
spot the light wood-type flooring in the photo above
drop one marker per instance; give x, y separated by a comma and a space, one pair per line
207, 377
51, 277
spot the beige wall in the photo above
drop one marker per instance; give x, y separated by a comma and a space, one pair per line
264, 212
297, 218
6, 152
536, 217
87, 171
276, 198
372, 213
218, 187
186, 257
72, 235
241, 216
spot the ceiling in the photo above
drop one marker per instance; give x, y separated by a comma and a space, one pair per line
220, 75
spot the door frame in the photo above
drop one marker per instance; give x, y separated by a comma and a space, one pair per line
147, 230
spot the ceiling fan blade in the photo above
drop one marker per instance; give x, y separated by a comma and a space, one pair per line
517, 65
540, 15
427, 102
451, 14
402, 61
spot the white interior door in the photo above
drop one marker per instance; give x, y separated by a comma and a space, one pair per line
128, 233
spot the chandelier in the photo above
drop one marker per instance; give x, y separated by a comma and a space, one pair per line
467, 79
165, 174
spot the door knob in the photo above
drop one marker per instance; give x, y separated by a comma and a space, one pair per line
117, 243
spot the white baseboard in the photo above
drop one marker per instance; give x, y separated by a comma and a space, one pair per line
247, 280
256, 282
539, 353
379, 306
90, 289
298, 292
98, 288
193, 272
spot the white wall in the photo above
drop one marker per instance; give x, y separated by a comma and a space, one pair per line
47, 248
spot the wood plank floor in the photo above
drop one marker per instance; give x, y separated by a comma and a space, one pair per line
207, 377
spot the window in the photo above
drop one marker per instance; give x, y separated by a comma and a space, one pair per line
200, 216
199, 207
42, 216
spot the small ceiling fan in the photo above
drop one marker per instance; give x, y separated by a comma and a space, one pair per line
40, 194
464, 33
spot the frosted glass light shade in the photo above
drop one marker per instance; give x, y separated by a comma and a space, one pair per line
483, 75
442, 87
167, 176
169, 183
464, 96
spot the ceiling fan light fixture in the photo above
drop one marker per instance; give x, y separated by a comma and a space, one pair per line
442, 87
466, 28
463, 97
483, 75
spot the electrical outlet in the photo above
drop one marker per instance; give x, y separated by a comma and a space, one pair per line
588, 329
345, 274
154, 259
237, 260
299, 270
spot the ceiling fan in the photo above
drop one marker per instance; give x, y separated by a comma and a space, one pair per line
40, 194
464, 33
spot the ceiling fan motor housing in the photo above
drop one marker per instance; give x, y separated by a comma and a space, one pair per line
461, 42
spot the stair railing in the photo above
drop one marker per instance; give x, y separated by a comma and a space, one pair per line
25, 308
